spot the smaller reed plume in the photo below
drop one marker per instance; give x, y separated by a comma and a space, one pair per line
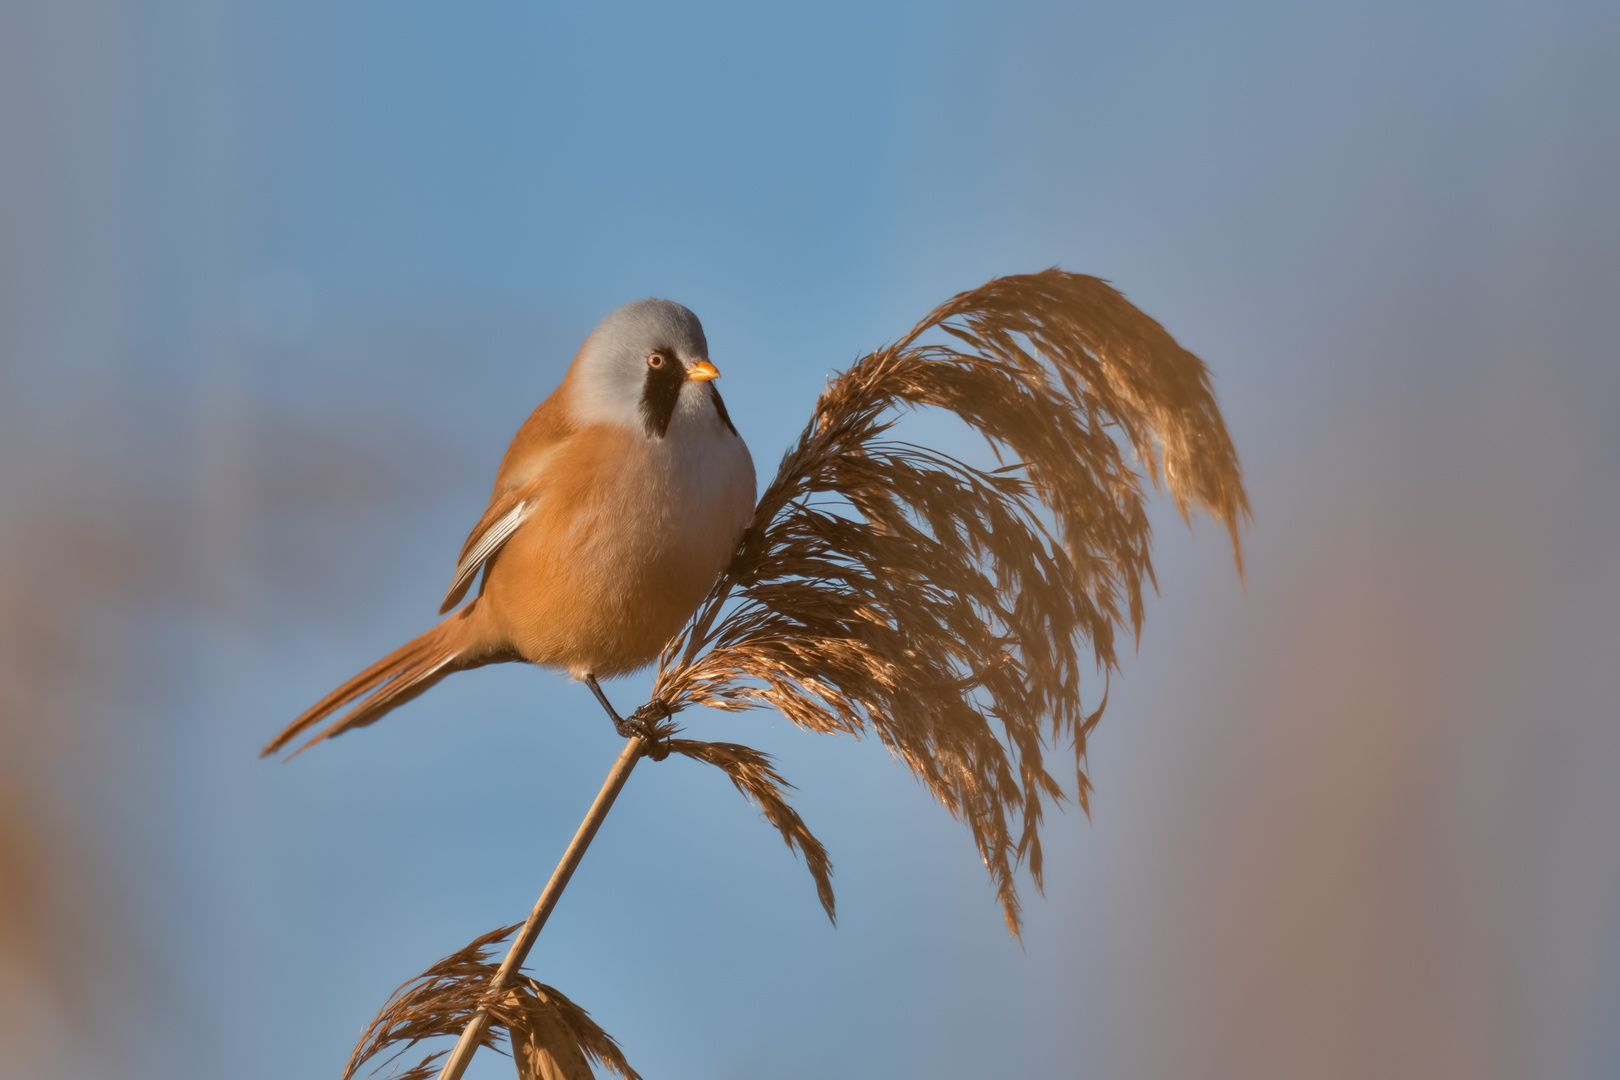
550, 1037
892, 590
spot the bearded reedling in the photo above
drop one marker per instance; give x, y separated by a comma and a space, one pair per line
620, 500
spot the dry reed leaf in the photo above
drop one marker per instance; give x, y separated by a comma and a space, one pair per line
886, 588
547, 1030
752, 773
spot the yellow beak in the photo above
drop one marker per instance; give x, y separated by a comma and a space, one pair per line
702, 371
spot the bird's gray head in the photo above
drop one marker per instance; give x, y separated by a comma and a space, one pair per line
647, 366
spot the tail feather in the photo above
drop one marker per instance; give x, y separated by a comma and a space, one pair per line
389, 683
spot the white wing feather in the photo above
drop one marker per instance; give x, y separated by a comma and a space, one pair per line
481, 552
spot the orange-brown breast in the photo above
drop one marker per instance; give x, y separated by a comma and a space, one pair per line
620, 551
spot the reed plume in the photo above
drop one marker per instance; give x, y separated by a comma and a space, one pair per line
888, 589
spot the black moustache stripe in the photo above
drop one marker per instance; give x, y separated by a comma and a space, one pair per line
660, 393
720, 407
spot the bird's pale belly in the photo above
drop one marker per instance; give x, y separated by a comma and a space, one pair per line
610, 567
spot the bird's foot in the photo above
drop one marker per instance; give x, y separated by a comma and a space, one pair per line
650, 723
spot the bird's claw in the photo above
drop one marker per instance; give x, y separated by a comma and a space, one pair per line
651, 724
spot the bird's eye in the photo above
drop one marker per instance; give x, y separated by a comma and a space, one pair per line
656, 360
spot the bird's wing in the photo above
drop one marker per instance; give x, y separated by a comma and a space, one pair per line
516, 490
506, 512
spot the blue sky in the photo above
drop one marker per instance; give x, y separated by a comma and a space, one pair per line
279, 281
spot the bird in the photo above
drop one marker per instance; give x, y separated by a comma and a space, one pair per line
618, 503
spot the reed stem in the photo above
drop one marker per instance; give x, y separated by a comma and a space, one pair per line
467, 1046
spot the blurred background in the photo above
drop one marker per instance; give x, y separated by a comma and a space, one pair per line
279, 280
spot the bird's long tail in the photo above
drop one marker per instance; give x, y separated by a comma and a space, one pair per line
392, 681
